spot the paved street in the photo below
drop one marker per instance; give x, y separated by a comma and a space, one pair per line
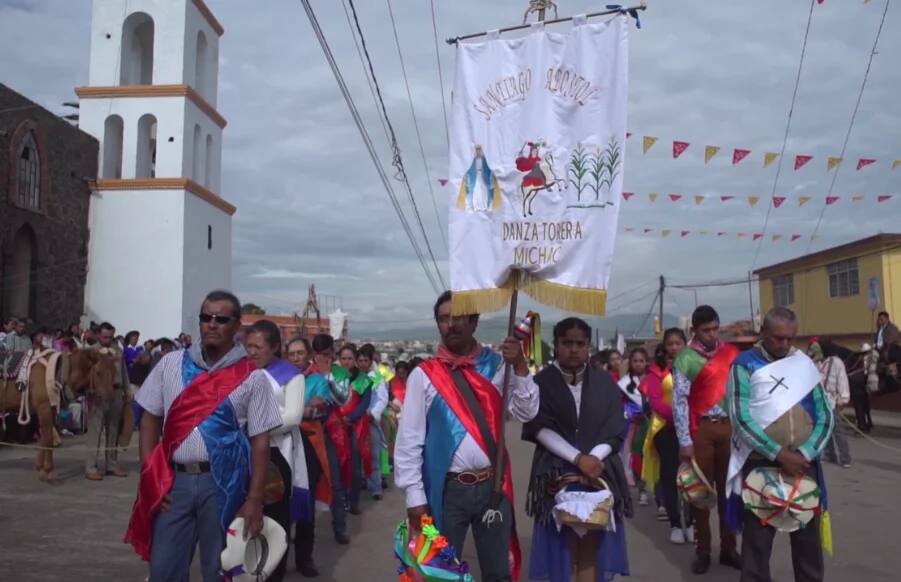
72, 530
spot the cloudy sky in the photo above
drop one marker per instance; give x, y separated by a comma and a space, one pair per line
311, 208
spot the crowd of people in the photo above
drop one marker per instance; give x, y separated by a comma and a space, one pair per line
245, 423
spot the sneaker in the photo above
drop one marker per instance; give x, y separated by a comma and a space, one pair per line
731, 559
342, 539
643, 498
846, 465
308, 570
676, 536
377, 496
701, 564
690, 534
661, 514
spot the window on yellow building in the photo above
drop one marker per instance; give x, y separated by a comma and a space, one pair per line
783, 290
844, 280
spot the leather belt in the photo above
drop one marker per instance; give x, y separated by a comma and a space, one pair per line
715, 419
192, 468
471, 477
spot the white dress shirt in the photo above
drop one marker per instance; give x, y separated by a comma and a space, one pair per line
411, 432
379, 398
555, 443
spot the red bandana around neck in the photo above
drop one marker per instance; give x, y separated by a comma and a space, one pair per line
456, 361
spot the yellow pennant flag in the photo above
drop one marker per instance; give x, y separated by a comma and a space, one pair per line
753, 200
648, 142
666, 231
699, 199
776, 237
857, 198
803, 200
896, 163
740, 235
704, 232
653, 196
709, 152
630, 229
832, 162
769, 158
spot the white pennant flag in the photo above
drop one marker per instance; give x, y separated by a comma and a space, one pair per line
536, 166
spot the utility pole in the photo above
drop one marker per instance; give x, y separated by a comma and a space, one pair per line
660, 307
751, 303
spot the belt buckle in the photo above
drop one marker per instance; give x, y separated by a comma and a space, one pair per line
192, 468
467, 478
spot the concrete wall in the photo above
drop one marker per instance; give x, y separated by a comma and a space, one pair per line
136, 266
204, 269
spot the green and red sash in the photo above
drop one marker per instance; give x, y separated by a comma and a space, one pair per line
708, 377
195, 403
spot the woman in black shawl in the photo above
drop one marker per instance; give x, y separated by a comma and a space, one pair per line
578, 431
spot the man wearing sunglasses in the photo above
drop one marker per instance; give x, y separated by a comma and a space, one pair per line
204, 447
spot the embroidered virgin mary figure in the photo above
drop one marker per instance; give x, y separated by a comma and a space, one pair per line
479, 189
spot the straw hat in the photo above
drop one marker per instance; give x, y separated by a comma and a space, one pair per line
694, 486
785, 503
254, 559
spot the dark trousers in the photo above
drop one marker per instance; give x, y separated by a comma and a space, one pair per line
305, 534
356, 471
280, 510
667, 445
338, 508
464, 506
860, 399
757, 546
712, 450
837, 449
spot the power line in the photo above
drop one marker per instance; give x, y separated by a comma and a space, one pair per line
397, 160
425, 162
440, 72
788, 124
375, 100
367, 141
851, 124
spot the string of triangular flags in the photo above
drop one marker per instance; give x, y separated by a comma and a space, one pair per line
740, 154
684, 233
752, 201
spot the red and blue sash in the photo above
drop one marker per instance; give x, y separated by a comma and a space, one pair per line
197, 402
448, 421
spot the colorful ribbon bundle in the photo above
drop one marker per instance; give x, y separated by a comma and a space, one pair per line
428, 557
528, 330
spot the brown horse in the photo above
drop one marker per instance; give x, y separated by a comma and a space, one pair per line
39, 403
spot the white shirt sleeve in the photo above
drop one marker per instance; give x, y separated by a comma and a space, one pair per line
410, 441
292, 413
556, 444
523, 405
379, 401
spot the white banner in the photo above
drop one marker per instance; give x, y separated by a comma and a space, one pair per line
536, 165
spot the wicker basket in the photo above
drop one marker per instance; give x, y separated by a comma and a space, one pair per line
599, 518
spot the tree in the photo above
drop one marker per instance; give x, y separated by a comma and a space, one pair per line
252, 309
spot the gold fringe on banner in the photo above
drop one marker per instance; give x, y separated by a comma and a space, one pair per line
565, 297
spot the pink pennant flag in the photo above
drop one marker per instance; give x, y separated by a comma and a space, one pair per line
627, 195
795, 237
830, 200
864, 162
647, 230
675, 197
628, 134
442, 181
738, 155
679, 148
883, 197
685, 233
801, 160
757, 236
726, 198
778, 200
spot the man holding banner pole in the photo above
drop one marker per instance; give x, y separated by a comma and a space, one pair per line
448, 439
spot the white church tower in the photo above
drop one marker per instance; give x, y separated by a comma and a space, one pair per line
160, 234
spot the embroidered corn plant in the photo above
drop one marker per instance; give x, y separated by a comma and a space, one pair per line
598, 172
612, 162
578, 168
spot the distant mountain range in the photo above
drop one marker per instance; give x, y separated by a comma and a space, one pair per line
494, 328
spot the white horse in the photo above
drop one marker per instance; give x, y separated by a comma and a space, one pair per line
541, 177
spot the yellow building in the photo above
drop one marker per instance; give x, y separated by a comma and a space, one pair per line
837, 292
